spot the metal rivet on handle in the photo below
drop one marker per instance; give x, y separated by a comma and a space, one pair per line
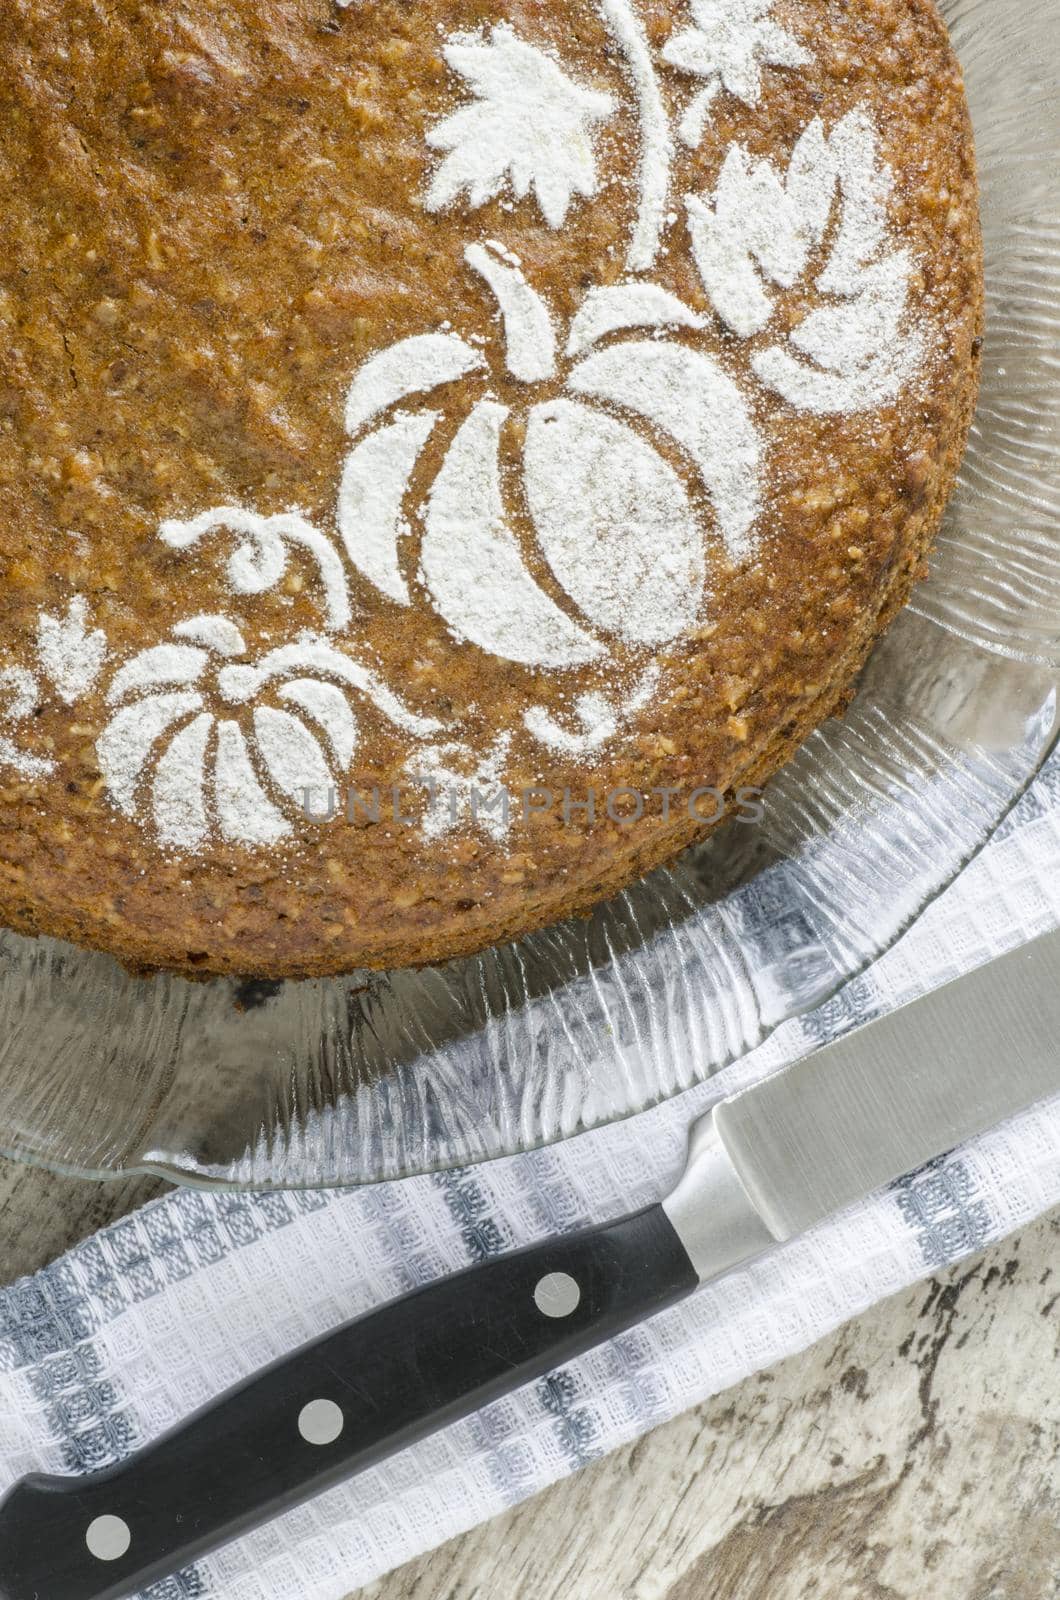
108, 1538
320, 1422
557, 1295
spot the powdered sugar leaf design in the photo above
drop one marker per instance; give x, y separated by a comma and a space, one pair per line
196, 742
19, 699
728, 45
530, 126
862, 347
611, 516
861, 354
71, 657
761, 227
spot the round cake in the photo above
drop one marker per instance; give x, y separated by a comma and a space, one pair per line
451, 454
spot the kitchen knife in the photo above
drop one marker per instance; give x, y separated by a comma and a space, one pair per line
764, 1166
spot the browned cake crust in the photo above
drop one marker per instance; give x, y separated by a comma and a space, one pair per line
215, 217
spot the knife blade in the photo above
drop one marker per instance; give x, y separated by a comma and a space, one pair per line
887, 1098
762, 1167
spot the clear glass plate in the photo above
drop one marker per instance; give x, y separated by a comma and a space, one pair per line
379, 1075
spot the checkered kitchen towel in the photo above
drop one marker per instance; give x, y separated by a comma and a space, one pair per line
148, 1320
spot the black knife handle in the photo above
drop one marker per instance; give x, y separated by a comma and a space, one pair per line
395, 1375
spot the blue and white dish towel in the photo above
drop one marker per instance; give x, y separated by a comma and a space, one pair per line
143, 1323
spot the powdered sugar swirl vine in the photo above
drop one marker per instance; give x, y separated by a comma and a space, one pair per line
260, 559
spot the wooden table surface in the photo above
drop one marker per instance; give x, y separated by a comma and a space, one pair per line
913, 1456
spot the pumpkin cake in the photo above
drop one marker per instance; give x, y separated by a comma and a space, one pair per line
447, 447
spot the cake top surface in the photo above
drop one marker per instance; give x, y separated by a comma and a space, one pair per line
433, 401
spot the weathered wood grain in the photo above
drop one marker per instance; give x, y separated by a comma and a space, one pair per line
913, 1456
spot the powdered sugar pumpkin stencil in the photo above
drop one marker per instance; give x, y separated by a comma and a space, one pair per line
556, 484
207, 734
612, 517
